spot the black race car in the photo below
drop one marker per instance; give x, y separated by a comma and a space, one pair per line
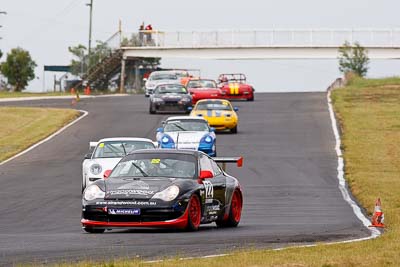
171, 98
163, 188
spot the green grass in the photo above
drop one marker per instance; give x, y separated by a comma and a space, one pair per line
26, 94
22, 127
4, 94
369, 112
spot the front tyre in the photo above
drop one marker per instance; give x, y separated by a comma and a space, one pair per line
93, 230
194, 214
234, 130
235, 212
151, 110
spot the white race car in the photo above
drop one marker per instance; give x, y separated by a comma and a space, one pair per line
106, 153
184, 132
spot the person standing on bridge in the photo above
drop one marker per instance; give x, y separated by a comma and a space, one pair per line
148, 29
141, 29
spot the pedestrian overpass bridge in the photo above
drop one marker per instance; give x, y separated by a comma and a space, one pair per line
124, 49
259, 44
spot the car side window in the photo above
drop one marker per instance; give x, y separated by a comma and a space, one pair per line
216, 169
205, 163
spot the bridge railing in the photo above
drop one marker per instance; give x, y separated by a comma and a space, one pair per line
263, 38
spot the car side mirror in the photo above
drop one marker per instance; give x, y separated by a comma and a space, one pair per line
107, 174
160, 130
212, 129
236, 109
206, 174
88, 156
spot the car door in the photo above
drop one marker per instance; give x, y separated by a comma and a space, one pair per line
214, 188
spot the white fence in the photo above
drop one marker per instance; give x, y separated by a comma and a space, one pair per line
263, 38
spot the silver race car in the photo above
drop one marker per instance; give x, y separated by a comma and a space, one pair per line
159, 77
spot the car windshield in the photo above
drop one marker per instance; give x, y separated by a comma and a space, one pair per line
118, 149
159, 165
170, 89
186, 125
201, 84
213, 105
163, 76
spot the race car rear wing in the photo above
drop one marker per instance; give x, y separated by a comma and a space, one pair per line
92, 145
224, 160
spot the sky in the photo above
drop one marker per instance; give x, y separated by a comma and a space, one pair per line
46, 28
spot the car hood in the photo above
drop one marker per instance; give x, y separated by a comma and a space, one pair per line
204, 90
187, 137
136, 188
171, 96
213, 113
239, 86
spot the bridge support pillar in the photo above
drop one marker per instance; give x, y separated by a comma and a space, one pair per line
137, 76
122, 81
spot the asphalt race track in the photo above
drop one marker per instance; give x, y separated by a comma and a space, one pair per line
289, 179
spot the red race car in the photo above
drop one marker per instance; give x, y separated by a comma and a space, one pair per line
235, 87
203, 89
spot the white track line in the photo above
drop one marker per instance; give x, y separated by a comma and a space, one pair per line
85, 113
342, 182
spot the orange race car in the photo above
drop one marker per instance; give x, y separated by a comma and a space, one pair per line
235, 87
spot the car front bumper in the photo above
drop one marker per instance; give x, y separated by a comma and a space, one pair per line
97, 216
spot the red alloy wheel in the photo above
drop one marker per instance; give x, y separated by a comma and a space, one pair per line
194, 212
236, 207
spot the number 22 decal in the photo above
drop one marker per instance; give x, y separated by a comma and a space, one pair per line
209, 188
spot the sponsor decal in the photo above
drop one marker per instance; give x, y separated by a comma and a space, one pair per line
128, 192
155, 161
209, 188
101, 145
123, 211
234, 88
201, 192
123, 203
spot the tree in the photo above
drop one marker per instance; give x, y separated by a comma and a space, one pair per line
353, 58
78, 64
19, 68
1, 53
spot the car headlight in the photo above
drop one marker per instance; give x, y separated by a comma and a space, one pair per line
96, 169
206, 142
184, 100
168, 194
167, 142
93, 192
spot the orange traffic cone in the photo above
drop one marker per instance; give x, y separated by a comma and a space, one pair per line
87, 90
377, 217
